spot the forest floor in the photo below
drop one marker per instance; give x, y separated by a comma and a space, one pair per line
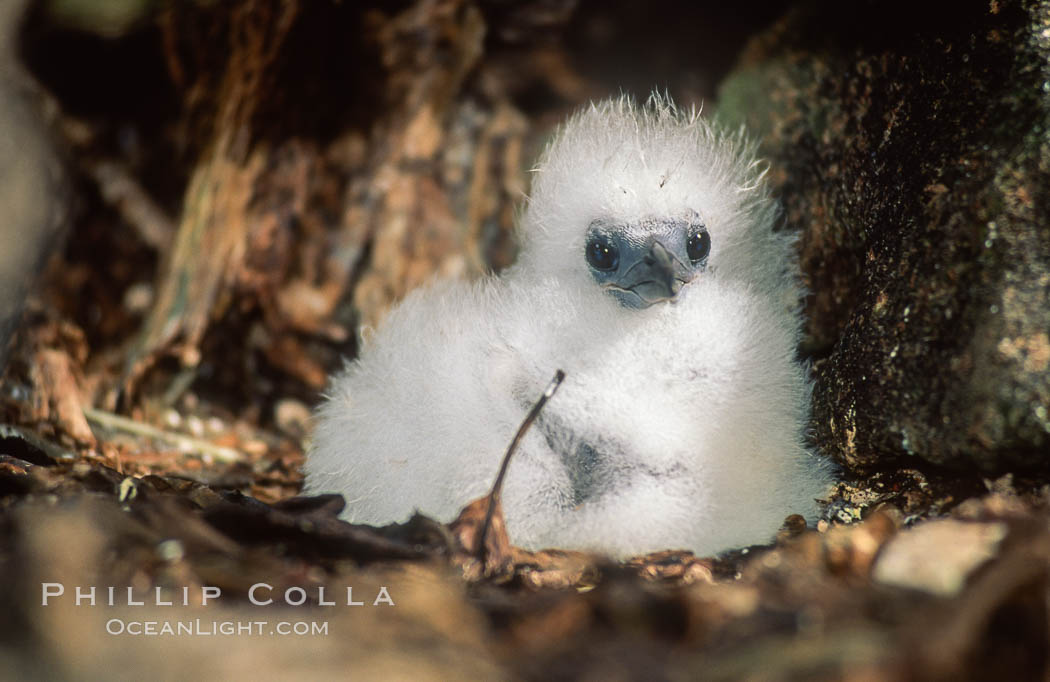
909, 575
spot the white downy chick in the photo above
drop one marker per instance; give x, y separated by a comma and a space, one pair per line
650, 273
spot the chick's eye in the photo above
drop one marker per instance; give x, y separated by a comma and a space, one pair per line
602, 255
698, 246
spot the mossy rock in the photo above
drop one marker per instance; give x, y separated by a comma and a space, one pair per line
910, 145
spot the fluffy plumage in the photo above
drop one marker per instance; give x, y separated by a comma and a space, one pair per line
680, 421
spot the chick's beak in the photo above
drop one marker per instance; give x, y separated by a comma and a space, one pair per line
656, 276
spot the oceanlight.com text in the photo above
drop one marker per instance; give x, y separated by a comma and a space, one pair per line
199, 627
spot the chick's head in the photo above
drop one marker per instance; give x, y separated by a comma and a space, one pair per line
641, 200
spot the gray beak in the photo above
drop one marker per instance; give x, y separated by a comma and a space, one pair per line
656, 276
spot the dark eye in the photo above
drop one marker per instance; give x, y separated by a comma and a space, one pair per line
698, 246
601, 254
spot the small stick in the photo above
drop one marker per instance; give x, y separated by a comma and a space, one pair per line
120, 190
115, 421
497, 487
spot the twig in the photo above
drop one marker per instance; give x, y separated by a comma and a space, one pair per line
497, 487
118, 187
115, 421
122, 191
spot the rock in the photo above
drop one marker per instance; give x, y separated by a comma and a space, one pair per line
960, 548
32, 187
910, 144
292, 417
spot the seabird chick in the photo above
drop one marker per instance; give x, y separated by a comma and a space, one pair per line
650, 272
